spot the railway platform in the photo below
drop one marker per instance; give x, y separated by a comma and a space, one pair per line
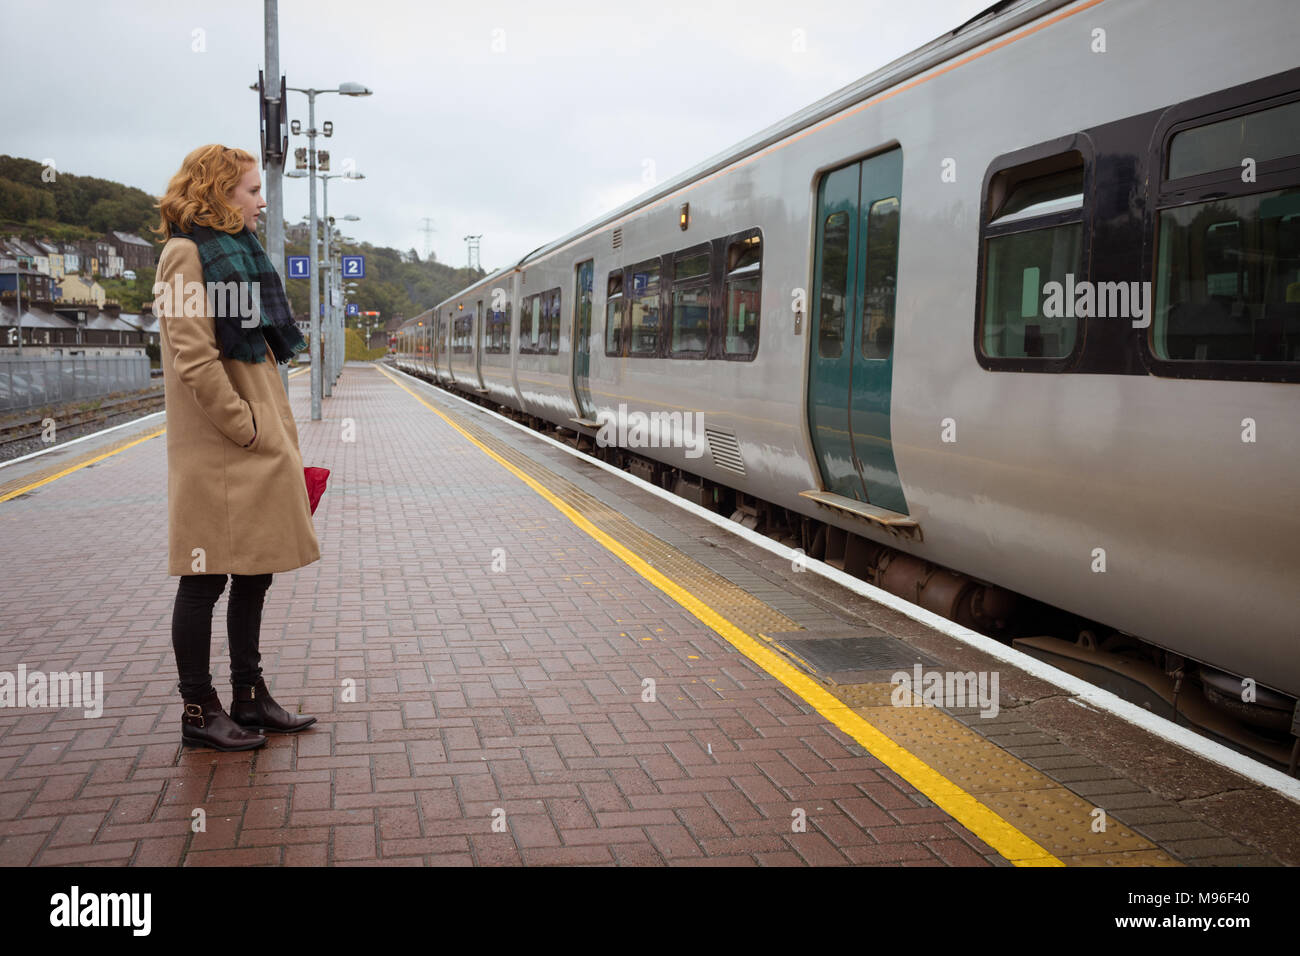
520, 657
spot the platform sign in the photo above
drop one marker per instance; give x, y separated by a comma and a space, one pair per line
639, 282
354, 267
299, 267
353, 309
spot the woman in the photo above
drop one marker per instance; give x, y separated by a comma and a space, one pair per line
237, 502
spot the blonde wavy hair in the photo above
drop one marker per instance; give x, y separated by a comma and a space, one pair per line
199, 192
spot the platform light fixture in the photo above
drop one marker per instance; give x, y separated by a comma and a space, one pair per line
318, 163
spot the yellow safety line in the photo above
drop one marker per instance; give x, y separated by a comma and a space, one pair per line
1012, 844
98, 458
77, 467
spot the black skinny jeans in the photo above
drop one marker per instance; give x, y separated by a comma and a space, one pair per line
192, 629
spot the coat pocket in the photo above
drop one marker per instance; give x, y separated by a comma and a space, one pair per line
261, 421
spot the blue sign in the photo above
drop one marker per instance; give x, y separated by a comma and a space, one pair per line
639, 281
299, 267
353, 309
322, 309
354, 267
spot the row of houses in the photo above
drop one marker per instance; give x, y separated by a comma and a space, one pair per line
117, 255
84, 328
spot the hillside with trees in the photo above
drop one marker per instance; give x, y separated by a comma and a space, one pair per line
65, 207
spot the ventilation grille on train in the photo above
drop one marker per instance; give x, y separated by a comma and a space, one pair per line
618, 238
725, 451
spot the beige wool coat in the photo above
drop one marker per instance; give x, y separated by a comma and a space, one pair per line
230, 509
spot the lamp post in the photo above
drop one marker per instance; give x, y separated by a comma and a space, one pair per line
336, 294
346, 89
348, 290
18, 301
334, 352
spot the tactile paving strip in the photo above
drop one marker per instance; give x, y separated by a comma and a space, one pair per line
1057, 819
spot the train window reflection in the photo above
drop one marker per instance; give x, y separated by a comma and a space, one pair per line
882, 281
1263, 136
1020, 320
834, 290
742, 296
644, 309
1033, 256
553, 321
614, 314
1228, 280
691, 306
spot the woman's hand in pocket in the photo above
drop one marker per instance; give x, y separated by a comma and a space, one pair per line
257, 432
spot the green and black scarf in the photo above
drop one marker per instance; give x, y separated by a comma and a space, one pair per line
241, 258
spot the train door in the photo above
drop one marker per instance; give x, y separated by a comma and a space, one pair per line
583, 275
851, 373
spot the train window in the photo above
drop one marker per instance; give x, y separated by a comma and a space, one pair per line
742, 293
530, 321
463, 330
553, 321
498, 333
1228, 280
691, 301
1226, 299
882, 279
834, 290
1262, 136
614, 314
1033, 254
644, 309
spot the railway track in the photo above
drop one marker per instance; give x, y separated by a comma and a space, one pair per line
78, 415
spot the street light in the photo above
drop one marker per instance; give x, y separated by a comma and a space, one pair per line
337, 351
345, 89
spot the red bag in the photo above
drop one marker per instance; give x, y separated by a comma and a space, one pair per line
315, 478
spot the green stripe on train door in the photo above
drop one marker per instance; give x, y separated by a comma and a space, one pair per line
851, 366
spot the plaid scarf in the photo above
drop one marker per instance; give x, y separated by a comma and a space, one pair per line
240, 258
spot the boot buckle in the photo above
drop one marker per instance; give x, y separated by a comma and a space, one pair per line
195, 711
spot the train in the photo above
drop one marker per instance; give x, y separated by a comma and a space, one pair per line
1014, 318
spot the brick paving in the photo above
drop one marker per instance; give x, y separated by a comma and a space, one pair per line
468, 716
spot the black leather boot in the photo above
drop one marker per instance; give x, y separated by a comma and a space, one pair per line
206, 724
254, 708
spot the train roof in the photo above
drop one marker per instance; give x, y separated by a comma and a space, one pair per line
999, 18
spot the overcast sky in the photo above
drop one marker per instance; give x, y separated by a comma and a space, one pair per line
516, 120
